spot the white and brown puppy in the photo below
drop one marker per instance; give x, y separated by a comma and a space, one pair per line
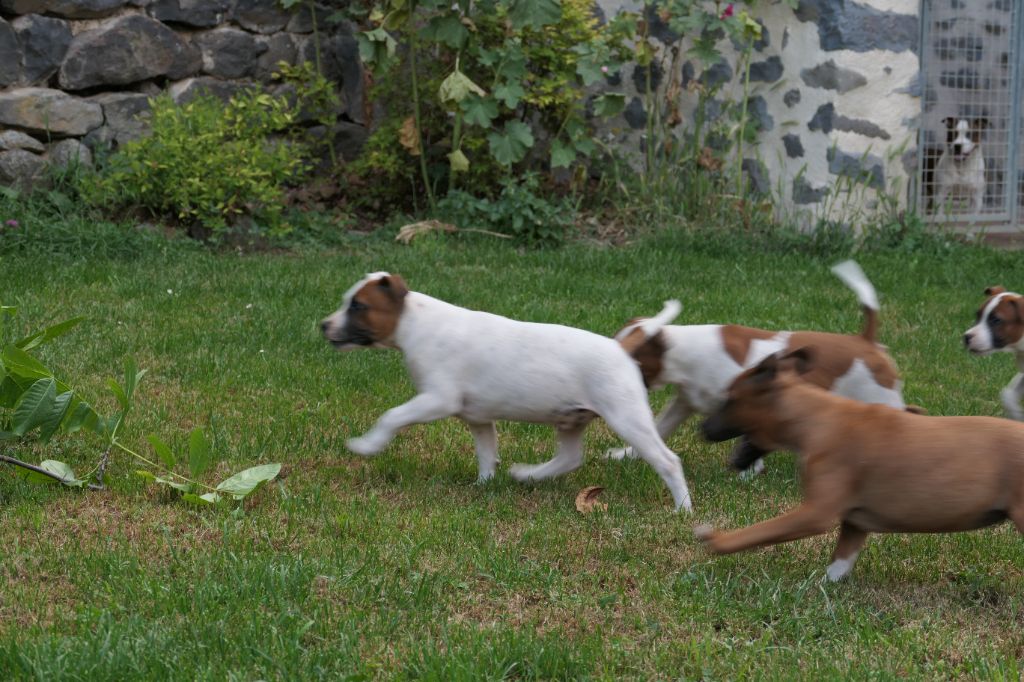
960, 171
482, 367
999, 326
868, 468
702, 360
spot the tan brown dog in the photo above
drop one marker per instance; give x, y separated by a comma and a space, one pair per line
868, 468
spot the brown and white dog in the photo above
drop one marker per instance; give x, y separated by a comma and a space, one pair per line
999, 326
702, 360
960, 171
868, 468
482, 367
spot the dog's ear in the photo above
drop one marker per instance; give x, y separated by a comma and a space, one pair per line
394, 286
801, 360
994, 290
1016, 303
766, 370
980, 123
949, 122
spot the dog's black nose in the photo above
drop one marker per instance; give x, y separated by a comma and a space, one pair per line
323, 327
967, 339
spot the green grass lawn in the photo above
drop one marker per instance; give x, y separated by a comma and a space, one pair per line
400, 566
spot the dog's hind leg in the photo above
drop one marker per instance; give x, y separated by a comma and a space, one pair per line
851, 539
568, 457
426, 407
802, 522
652, 449
485, 437
669, 419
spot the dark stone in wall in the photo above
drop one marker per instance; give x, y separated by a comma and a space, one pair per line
20, 168
261, 16
657, 27
634, 114
302, 19
822, 119
913, 86
794, 147
804, 194
125, 118
791, 98
865, 168
848, 25
339, 61
832, 77
860, 126
717, 74
187, 90
198, 13
640, 77
229, 52
757, 175
768, 71
48, 112
10, 55
130, 49
688, 74
69, 9
965, 79
757, 110
45, 41
961, 48
279, 48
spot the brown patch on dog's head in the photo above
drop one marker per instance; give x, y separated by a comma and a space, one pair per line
752, 400
998, 324
737, 340
369, 314
995, 290
648, 353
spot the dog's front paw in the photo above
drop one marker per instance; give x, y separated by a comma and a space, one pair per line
619, 453
752, 472
363, 446
705, 532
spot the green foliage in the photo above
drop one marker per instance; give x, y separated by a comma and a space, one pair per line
34, 402
518, 211
207, 161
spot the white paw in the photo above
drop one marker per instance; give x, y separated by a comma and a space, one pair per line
838, 569
484, 477
521, 472
703, 531
363, 446
752, 472
620, 453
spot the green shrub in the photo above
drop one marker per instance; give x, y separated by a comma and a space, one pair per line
518, 211
207, 162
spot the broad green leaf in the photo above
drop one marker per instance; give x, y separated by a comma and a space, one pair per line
446, 29
510, 145
534, 13
58, 411
244, 482
509, 93
20, 363
458, 161
82, 416
132, 376
48, 334
35, 405
118, 391
479, 111
203, 500
10, 391
376, 47
162, 451
199, 457
609, 104
456, 87
562, 155
54, 467
513, 67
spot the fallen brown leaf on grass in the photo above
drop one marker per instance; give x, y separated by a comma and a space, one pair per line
586, 500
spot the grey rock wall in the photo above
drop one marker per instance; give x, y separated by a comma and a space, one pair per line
77, 75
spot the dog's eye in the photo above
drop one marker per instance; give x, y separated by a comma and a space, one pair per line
995, 321
356, 306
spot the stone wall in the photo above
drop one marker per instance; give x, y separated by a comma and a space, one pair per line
834, 86
76, 74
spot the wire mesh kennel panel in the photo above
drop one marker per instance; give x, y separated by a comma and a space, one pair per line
971, 164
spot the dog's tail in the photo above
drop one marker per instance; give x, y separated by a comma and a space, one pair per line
629, 338
854, 277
